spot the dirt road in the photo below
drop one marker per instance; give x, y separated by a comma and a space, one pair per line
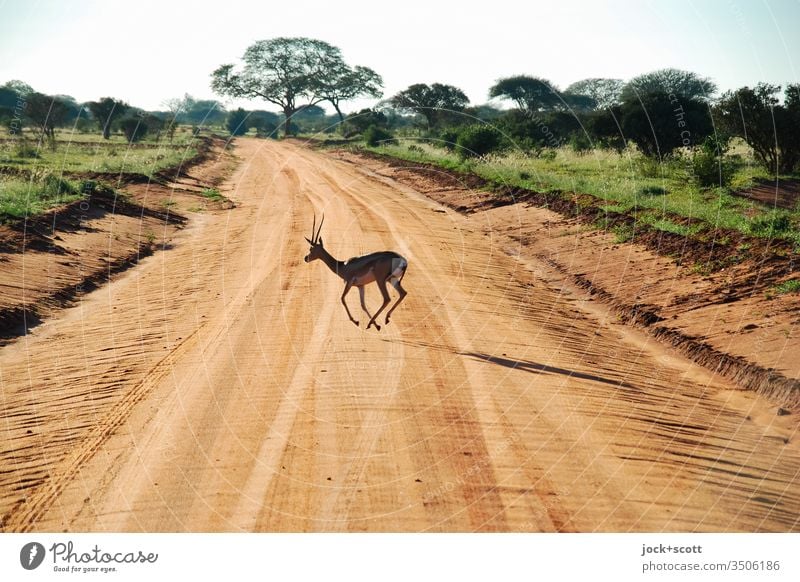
219, 386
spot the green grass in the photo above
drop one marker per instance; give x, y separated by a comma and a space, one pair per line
212, 194
655, 192
78, 153
790, 286
23, 198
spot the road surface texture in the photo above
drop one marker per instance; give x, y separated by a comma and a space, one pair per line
219, 386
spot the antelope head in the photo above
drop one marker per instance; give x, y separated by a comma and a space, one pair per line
315, 252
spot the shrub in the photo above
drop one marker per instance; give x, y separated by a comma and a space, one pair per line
267, 129
448, 138
771, 224
236, 123
134, 129
652, 190
579, 143
26, 150
710, 165
55, 187
477, 140
374, 136
547, 154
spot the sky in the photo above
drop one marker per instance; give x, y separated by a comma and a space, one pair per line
146, 51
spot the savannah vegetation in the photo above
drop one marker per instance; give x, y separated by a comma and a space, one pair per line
663, 146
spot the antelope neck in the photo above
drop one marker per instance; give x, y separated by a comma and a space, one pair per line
334, 265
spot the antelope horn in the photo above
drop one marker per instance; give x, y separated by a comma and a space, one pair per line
316, 238
313, 227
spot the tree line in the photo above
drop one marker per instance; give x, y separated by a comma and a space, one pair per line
21, 106
659, 112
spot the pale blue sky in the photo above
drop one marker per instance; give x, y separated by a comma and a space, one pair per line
148, 51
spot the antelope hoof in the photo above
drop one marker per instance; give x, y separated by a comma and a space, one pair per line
354, 321
371, 323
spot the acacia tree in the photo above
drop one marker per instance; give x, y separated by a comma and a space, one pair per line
106, 111
683, 84
771, 129
605, 92
344, 83
433, 102
529, 93
282, 71
46, 112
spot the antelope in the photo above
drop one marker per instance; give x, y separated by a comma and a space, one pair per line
381, 267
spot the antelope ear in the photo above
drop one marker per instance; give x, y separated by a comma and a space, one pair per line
309, 242
320, 241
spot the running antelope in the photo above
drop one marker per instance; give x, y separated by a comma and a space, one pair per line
382, 267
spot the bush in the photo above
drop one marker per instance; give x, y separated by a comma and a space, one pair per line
580, 143
448, 139
771, 224
267, 129
374, 136
55, 187
652, 190
236, 123
134, 129
477, 140
26, 150
710, 166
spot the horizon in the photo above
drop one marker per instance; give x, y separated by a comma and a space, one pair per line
733, 44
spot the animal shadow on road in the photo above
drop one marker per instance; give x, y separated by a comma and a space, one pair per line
522, 365
537, 368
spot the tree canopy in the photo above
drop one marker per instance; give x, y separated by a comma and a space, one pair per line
434, 102
105, 111
683, 84
529, 93
605, 92
294, 73
771, 129
46, 112
344, 83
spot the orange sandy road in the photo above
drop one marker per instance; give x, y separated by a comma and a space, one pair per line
219, 386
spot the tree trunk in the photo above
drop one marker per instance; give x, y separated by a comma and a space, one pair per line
341, 117
287, 113
107, 129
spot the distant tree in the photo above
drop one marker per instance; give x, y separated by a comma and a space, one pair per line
605, 92
484, 112
683, 84
529, 93
46, 112
282, 71
9, 99
237, 122
106, 111
604, 127
21, 88
203, 111
73, 109
134, 128
266, 123
343, 83
658, 123
175, 108
577, 103
434, 102
359, 122
309, 112
771, 129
